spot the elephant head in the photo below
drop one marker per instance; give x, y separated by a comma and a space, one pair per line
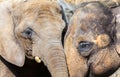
90, 42
33, 28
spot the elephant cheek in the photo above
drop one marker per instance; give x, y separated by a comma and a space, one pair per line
104, 61
77, 65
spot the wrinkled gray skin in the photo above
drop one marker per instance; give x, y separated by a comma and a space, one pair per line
32, 28
91, 42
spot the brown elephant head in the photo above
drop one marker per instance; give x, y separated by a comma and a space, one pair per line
32, 28
90, 42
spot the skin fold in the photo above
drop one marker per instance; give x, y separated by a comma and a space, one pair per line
90, 43
33, 28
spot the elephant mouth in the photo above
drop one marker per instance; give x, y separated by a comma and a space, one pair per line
28, 54
30, 69
33, 69
36, 65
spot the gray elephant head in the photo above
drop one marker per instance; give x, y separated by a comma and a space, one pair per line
32, 28
90, 42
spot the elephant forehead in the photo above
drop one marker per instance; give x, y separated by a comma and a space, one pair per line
87, 29
39, 12
91, 21
42, 9
89, 24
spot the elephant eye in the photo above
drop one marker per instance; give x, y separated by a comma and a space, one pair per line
27, 33
85, 46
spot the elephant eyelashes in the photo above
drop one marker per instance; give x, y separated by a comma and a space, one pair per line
84, 46
27, 33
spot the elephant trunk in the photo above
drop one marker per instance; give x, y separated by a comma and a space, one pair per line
52, 54
55, 61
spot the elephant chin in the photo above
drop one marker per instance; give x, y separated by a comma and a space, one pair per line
104, 64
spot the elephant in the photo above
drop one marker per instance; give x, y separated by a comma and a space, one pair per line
91, 43
33, 28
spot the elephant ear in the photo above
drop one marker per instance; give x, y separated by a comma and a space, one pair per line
67, 8
10, 48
